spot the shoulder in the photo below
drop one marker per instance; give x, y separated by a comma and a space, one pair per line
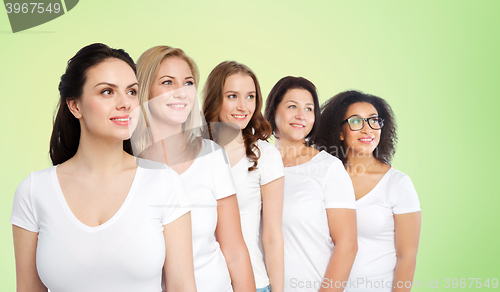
267, 148
398, 178
329, 161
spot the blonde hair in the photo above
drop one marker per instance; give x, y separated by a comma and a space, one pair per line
147, 68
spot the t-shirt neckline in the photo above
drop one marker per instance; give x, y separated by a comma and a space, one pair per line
376, 186
80, 224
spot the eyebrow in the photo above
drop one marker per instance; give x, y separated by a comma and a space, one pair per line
113, 85
189, 77
297, 102
371, 115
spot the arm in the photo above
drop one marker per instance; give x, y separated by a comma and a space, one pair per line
230, 238
25, 243
406, 236
272, 236
342, 224
179, 270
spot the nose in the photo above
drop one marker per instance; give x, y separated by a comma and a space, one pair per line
366, 128
124, 102
241, 106
179, 92
301, 114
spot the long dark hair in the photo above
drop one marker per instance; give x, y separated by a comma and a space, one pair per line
276, 96
257, 128
333, 114
66, 130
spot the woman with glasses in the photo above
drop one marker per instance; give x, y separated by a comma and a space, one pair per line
360, 130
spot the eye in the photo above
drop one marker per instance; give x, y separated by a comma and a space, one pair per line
309, 109
231, 96
107, 91
292, 106
132, 92
251, 96
189, 83
167, 82
355, 121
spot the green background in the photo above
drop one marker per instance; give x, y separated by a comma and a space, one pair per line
436, 62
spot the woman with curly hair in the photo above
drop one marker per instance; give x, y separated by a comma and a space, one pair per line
232, 95
360, 130
319, 220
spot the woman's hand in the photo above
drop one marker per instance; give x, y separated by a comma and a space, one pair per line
230, 238
25, 243
178, 267
406, 236
343, 230
272, 236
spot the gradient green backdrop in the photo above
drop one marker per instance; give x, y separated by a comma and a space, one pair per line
436, 62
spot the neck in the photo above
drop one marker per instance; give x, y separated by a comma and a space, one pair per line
161, 131
356, 160
236, 142
291, 148
100, 155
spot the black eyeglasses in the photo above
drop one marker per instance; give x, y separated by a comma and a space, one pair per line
357, 123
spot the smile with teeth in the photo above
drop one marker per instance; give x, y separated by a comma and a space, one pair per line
366, 139
177, 105
298, 126
122, 119
239, 117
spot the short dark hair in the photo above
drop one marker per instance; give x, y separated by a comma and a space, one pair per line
66, 129
276, 96
333, 114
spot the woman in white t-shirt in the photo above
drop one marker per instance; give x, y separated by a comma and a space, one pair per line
97, 221
360, 130
171, 134
319, 216
232, 95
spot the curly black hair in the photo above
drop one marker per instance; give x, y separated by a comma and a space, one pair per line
333, 114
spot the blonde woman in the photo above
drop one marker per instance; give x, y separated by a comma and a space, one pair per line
170, 133
232, 95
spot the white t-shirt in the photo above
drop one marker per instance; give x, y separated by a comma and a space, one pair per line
311, 188
373, 269
269, 168
126, 253
207, 180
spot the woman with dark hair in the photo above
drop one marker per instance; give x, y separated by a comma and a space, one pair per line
360, 130
319, 220
232, 95
97, 221
167, 94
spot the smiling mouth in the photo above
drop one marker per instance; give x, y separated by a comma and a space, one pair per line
298, 126
122, 119
366, 140
177, 106
239, 117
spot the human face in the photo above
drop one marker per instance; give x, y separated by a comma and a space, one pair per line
109, 96
365, 140
239, 98
172, 93
295, 115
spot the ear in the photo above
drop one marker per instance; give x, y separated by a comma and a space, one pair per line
74, 107
341, 136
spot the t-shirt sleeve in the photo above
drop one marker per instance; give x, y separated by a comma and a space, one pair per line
339, 192
223, 179
178, 202
270, 164
22, 209
406, 199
